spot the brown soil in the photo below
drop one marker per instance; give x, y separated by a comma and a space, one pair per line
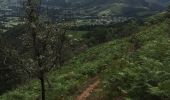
87, 92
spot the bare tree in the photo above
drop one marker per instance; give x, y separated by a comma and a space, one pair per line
44, 44
41, 42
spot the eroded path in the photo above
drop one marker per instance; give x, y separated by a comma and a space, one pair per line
87, 92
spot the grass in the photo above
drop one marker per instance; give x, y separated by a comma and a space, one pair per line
67, 81
150, 63
114, 59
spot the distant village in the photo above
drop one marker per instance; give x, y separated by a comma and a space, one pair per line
10, 16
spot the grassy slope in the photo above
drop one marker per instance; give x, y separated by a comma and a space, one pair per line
107, 58
148, 67
70, 78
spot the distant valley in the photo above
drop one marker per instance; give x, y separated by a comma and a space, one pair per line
86, 11
130, 8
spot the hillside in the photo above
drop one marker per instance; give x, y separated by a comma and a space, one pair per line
134, 67
128, 8
71, 77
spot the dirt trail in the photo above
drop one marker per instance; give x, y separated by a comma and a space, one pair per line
86, 93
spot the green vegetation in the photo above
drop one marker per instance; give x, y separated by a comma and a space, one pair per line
101, 34
42, 60
10, 74
143, 73
134, 67
138, 8
70, 78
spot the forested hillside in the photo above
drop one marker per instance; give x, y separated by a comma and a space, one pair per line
133, 67
48, 57
128, 8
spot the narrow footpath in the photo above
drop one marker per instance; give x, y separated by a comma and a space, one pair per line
91, 87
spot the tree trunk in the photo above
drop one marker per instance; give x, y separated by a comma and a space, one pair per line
42, 88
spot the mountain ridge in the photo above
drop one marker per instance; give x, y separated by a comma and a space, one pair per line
114, 7
129, 8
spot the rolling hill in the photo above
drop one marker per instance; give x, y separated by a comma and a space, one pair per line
130, 8
124, 70
115, 7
